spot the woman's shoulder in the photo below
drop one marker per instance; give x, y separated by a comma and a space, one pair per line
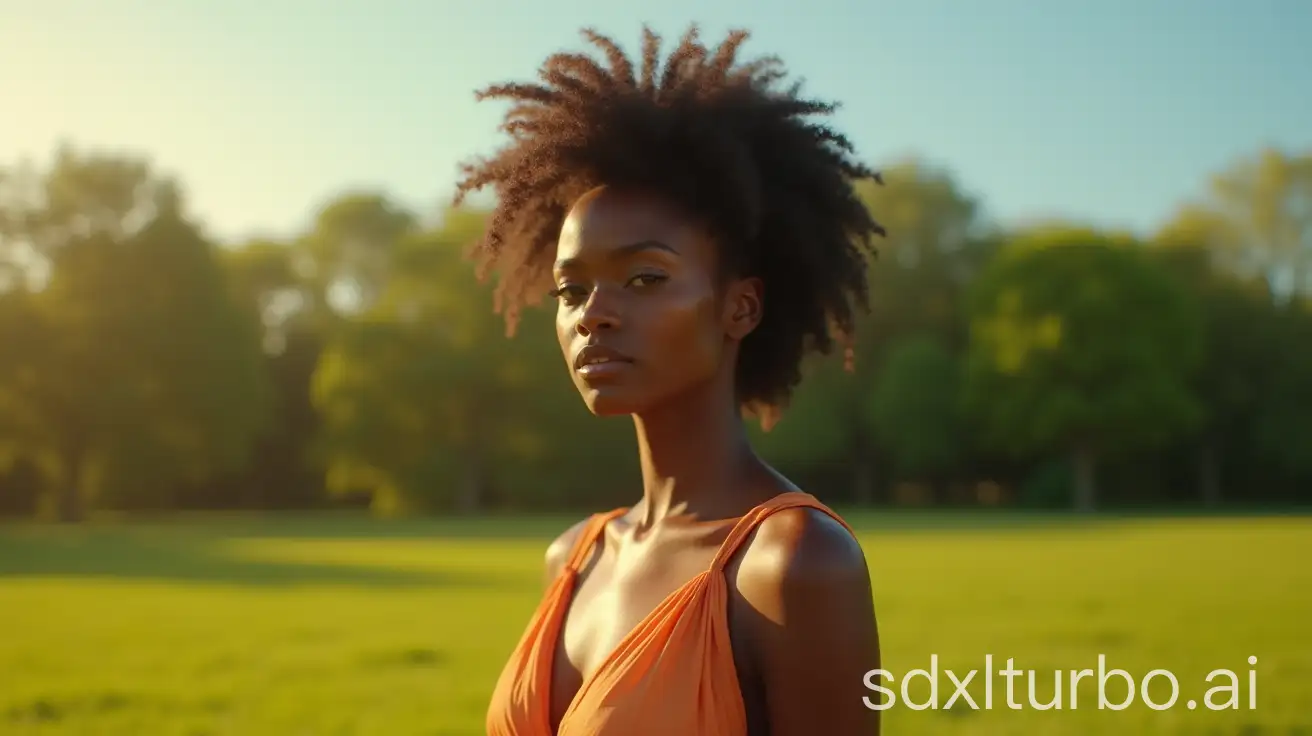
559, 550
802, 546
811, 629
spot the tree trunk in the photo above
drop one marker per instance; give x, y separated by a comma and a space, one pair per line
863, 480
1209, 474
69, 504
1086, 490
470, 498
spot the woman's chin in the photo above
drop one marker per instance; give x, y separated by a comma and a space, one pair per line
606, 402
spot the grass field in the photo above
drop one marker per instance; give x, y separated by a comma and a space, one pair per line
264, 627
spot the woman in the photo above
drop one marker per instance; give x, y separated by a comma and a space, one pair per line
699, 237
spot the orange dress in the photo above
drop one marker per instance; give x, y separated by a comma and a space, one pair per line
673, 674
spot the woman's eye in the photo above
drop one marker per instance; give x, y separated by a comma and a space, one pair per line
648, 279
569, 294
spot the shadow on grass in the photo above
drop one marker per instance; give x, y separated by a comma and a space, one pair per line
196, 529
529, 528
310, 525
197, 558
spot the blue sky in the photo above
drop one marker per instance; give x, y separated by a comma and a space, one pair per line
1111, 112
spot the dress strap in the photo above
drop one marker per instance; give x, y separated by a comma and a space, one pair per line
582, 549
749, 521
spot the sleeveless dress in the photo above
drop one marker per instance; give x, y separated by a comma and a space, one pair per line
673, 674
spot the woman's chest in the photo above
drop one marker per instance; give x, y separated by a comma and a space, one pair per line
618, 594
622, 603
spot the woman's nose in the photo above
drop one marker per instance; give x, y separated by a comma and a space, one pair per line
599, 313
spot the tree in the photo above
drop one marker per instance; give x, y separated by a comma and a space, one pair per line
282, 472
916, 408
262, 275
1255, 219
1080, 344
425, 402
815, 431
937, 240
145, 372
1241, 349
21, 364
1285, 404
347, 256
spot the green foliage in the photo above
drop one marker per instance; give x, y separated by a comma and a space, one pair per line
1252, 219
814, 428
1048, 486
916, 407
138, 371
1078, 337
142, 366
937, 243
1284, 411
1258, 354
425, 401
21, 372
348, 253
202, 395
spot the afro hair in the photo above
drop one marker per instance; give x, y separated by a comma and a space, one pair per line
718, 138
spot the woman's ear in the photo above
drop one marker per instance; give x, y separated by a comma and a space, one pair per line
743, 307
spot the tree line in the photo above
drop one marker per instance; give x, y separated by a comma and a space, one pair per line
146, 367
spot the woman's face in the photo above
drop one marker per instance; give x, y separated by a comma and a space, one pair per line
642, 317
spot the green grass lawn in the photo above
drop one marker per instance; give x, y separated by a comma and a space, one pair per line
250, 627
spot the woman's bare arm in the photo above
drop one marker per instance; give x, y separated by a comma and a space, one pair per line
815, 634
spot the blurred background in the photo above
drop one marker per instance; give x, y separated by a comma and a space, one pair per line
270, 464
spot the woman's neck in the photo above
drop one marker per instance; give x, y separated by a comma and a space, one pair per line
695, 457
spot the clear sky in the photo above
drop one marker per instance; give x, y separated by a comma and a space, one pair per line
1110, 111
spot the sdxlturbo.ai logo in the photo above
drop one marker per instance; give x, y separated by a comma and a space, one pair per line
1115, 688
